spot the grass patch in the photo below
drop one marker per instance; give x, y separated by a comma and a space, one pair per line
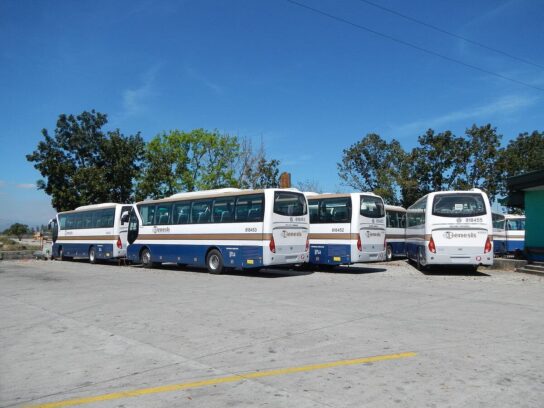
8, 244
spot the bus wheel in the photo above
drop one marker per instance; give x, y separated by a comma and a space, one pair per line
92, 255
145, 258
388, 253
419, 261
214, 262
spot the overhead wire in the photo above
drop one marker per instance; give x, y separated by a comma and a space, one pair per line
451, 34
414, 46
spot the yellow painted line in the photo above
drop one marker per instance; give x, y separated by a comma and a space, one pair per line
220, 380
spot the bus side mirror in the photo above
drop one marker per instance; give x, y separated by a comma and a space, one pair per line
51, 221
124, 217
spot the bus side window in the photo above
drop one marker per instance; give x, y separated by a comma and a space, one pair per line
181, 212
162, 214
201, 212
223, 209
147, 213
249, 208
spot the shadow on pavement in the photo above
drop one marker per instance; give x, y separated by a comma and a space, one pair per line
354, 270
452, 271
250, 273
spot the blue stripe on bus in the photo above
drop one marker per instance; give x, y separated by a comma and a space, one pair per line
103, 251
512, 246
398, 248
233, 256
333, 254
412, 248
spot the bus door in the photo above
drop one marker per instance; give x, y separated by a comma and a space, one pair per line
371, 225
123, 224
133, 226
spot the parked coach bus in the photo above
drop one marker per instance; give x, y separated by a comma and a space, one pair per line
93, 231
508, 234
224, 228
395, 222
346, 228
450, 227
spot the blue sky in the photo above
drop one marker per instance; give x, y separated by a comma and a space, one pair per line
305, 84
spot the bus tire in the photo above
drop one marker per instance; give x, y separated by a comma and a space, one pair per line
214, 262
388, 253
145, 258
419, 264
92, 255
61, 255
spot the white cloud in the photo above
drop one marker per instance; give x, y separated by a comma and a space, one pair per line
505, 105
26, 185
135, 99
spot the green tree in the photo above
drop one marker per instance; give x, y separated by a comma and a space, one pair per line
187, 161
481, 160
523, 154
407, 179
439, 161
83, 165
373, 165
18, 230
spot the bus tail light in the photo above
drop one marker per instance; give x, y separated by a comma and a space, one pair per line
487, 247
272, 245
384, 242
307, 244
119, 243
432, 246
359, 243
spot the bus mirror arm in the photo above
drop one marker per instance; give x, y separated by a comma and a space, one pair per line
124, 217
51, 221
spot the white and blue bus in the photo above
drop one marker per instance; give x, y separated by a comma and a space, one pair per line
499, 234
95, 232
395, 233
346, 228
450, 227
508, 234
221, 229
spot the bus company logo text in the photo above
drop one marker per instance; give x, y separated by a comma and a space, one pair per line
453, 235
297, 219
158, 230
286, 234
373, 234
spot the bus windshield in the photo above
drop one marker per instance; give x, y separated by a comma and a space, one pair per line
372, 207
289, 203
459, 205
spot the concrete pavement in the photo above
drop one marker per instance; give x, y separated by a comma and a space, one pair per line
72, 330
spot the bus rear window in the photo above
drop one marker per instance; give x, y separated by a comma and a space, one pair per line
330, 210
516, 224
458, 205
289, 203
372, 207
